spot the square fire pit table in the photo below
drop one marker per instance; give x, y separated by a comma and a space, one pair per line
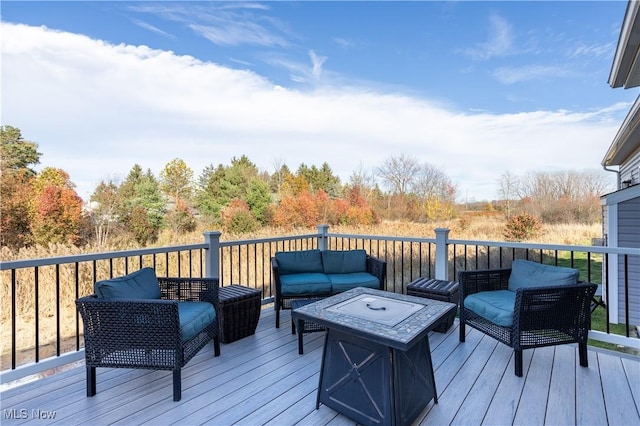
376, 365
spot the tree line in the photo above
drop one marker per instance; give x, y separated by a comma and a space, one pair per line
40, 208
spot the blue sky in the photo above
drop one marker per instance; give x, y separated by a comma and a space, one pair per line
474, 88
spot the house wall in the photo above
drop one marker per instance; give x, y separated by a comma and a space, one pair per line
630, 170
629, 236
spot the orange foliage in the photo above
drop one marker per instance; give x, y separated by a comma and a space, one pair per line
307, 210
57, 211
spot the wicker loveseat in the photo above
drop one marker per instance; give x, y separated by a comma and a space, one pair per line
309, 274
143, 321
527, 306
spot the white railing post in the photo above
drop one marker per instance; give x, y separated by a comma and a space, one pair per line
442, 254
323, 239
212, 263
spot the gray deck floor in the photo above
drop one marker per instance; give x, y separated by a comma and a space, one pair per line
261, 380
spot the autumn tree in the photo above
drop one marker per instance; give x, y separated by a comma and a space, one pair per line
181, 218
17, 158
15, 223
300, 210
237, 218
176, 180
56, 208
436, 192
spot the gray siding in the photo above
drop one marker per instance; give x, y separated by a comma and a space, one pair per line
629, 236
630, 170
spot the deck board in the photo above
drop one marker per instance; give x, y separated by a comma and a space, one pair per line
561, 404
261, 380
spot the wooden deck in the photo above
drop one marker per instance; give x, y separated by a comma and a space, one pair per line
261, 380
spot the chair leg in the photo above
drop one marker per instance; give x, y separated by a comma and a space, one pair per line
300, 332
177, 385
582, 351
216, 346
518, 362
462, 332
91, 381
278, 317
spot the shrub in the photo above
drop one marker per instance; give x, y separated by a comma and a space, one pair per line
522, 227
237, 219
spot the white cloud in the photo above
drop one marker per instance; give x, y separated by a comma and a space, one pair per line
152, 28
224, 24
594, 50
500, 40
96, 109
511, 75
317, 63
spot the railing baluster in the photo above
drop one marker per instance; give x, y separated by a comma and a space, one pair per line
58, 334
36, 282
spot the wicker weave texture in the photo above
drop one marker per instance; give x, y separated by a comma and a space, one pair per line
441, 290
239, 312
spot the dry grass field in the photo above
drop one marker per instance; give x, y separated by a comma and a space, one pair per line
42, 298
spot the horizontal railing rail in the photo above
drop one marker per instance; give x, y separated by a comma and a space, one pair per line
41, 328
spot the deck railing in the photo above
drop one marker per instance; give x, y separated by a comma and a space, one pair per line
42, 330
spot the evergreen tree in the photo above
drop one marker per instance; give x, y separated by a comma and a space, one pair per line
142, 208
17, 153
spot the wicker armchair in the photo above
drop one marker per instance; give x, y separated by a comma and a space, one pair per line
542, 316
141, 333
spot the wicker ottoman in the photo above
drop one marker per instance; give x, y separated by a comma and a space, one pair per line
239, 312
444, 291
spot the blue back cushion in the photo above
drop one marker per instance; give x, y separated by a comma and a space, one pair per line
525, 273
142, 284
344, 261
295, 262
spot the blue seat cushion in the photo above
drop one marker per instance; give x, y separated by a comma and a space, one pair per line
294, 262
304, 283
194, 316
344, 261
526, 274
141, 284
344, 282
495, 306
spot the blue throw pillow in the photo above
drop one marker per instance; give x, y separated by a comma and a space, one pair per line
525, 274
295, 262
142, 284
344, 261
